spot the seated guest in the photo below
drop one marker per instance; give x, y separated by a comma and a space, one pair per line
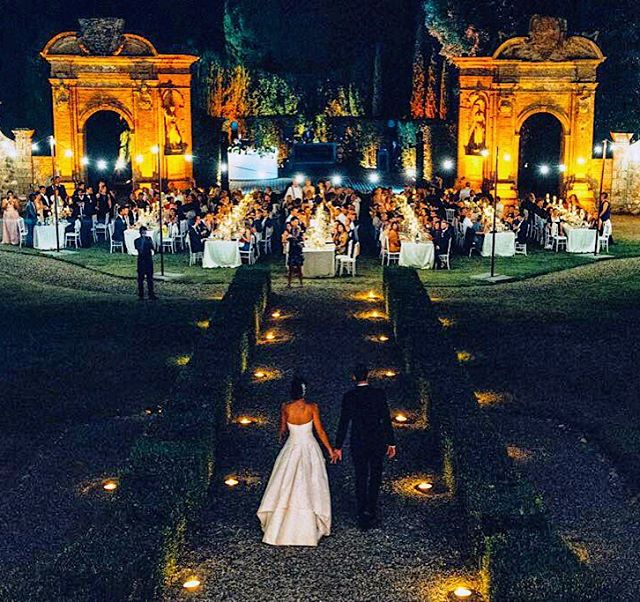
341, 238
120, 225
393, 236
245, 236
443, 238
198, 233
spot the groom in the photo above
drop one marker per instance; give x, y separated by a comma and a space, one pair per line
365, 408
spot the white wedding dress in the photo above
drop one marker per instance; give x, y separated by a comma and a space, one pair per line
296, 506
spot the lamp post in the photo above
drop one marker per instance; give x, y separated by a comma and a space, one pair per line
495, 211
52, 142
604, 161
155, 150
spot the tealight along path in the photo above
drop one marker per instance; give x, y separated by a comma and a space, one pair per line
323, 330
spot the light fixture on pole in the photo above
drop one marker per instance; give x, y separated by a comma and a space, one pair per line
495, 211
603, 148
155, 150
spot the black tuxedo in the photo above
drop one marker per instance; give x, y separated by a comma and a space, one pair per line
62, 192
119, 226
144, 247
365, 409
83, 210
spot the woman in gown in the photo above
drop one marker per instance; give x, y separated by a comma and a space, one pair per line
296, 506
10, 217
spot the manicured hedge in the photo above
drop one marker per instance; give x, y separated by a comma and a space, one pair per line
133, 549
503, 510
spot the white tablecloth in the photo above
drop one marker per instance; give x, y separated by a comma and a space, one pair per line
221, 254
505, 244
44, 237
319, 263
420, 255
580, 240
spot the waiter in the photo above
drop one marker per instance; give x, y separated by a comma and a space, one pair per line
144, 247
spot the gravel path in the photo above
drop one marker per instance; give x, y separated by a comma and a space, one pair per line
417, 548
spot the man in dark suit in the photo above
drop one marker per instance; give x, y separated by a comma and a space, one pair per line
144, 247
30, 216
83, 211
444, 237
120, 225
58, 189
365, 409
198, 233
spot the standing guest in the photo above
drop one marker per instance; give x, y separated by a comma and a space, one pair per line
295, 255
120, 225
56, 189
83, 211
30, 218
393, 237
10, 217
144, 247
294, 191
604, 215
104, 202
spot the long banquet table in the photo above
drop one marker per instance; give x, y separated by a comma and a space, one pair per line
44, 237
319, 262
505, 244
420, 255
221, 254
580, 240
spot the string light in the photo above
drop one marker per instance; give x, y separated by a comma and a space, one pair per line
101, 164
374, 178
447, 164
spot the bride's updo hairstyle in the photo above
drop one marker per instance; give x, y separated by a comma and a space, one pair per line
298, 388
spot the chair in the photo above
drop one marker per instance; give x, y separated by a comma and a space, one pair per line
100, 228
24, 233
348, 261
182, 234
450, 215
169, 241
557, 239
250, 254
266, 239
114, 245
73, 237
388, 254
349, 253
444, 259
605, 236
521, 248
194, 258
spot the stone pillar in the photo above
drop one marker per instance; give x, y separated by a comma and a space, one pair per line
625, 174
24, 160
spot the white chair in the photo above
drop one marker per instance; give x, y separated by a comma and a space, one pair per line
557, 239
444, 259
348, 262
22, 229
605, 236
100, 228
180, 237
388, 255
250, 254
194, 258
169, 241
349, 253
114, 245
521, 248
73, 237
266, 239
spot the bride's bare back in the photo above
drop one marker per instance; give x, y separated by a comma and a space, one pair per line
301, 412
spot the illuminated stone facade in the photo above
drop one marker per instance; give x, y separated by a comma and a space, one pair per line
546, 72
101, 68
625, 174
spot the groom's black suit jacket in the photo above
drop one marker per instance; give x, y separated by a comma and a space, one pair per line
366, 409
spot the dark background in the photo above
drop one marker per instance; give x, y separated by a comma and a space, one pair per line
315, 39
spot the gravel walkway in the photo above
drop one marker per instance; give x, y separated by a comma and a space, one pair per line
417, 548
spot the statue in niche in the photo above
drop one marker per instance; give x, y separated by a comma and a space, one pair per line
477, 126
61, 94
145, 102
124, 155
172, 103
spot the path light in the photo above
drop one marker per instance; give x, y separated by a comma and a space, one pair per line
270, 336
464, 356
424, 487
110, 485
191, 583
383, 338
276, 314
183, 360
463, 592
401, 418
390, 373
203, 324
231, 482
260, 374
245, 421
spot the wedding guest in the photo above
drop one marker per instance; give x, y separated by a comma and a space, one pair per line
83, 211
10, 217
442, 241
30, 216
198, 233
295, 257
341, 238
393, 236
144, 247
294, 191
120, 225
56, 189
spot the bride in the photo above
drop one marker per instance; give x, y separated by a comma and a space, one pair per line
296, 506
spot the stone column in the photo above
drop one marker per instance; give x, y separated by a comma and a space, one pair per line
24, 159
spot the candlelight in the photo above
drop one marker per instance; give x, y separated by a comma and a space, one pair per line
231, 482
401, 418
390, 374
270, 336
383, 338
259, 374
424, 486
462, 592
276, 314
203, 324
110, 485
245, 421
464, 356
183, 360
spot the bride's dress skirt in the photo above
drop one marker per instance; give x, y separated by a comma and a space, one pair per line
296, 506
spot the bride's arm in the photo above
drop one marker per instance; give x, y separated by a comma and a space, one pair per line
283, 423
317, 423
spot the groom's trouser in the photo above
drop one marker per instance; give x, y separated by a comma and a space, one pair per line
368, 469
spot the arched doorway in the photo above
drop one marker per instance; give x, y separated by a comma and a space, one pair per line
541, 167
107, 149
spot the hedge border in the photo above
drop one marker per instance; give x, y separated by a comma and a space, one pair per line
132, 550
513, 541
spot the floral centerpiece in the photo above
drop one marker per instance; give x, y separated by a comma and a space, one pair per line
231, 224
319, 231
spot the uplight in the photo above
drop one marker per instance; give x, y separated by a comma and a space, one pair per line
245, 421
372, 295
231, 482
383, 338
192, 583
270, 336
401, 418
390, 374
484, 152
375, 314
424, 487
562, 168
276, 314
188, 158
260, 374
110, 485
506, 157
462, 592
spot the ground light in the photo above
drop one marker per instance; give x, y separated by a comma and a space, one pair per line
231, 482
276, 314
270, 336
245, 421
110, 485
390, 374
462, 592
383, 338
260, 374
401, 418
424, 487
191, 583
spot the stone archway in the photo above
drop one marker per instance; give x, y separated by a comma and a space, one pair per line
101, 68
546, 72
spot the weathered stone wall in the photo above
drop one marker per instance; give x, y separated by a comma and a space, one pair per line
15, 162
625, 180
